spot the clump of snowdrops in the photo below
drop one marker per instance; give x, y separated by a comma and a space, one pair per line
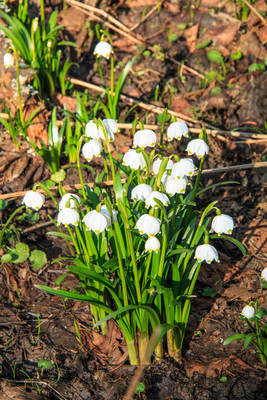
137, 246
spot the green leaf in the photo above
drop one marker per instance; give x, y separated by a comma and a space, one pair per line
140, 387
237, 55
45, 364
215, 56
6, 258
256, 67
233, 338
232, 240
216, 90
204, 44
3, 204
59, 176
60, 234
261, 313
249, 339
38, 259
223, 379
20, 253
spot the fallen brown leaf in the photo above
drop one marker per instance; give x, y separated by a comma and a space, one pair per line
191, 37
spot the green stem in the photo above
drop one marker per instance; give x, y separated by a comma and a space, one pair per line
42, 20
19, 90
79, 144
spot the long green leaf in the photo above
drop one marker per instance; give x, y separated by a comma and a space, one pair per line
233, 338
232, 240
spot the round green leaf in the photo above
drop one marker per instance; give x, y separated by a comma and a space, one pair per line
215, 56
45, 364
3, 204
20, 253
204, 44
140, 387
237, 55
256, 67
38, 259
6, 258
59, 176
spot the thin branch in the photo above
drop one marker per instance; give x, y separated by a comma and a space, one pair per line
77, 186
255, 12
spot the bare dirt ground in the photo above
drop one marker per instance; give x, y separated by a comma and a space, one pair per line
35, 326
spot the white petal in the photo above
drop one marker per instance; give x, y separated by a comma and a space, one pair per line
176, 130
157, 163
33, 200
9, 60
173, 185
91, 130
144, 138
91, 149
95, 221
134, 160
206, 252
222, 224
184, 167
141, 192
68, 198
148, 225
103, 49
150, 202
248, 312
264, 274
152, 244
68, 216
198, 147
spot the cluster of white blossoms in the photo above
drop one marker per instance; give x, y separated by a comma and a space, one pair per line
95, 133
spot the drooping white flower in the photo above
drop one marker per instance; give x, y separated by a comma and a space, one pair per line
198, 147
152, 244
248, 312
148, 225
68, 201
141, 192
150, 202
173, 185
94, 132
111, 126
68, 216
264, 274
206, 252
103, 49
105, 211
176, 130
184, 167
55, 136
144, 138
133, 159
91, 130
157, 163
95, 221
222, 224
33, 200
9, 60
91, 149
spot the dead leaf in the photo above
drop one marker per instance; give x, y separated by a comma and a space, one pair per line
180, 104
223, 34
249, 44
191, 37
37, 130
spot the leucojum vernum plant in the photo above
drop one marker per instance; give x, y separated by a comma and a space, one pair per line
137, 246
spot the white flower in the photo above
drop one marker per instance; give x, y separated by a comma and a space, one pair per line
144, 138
150, 202
184, 167
94, 132
198, 147
91, 130
111, 126
134, 159
152, 244
264, 274
33, 200
105, 211
222, 224
148, 225
95, 221
157, 163
68, 216
173, 185
248, 312
35, 24
9, 60
164, 177
206, 252
91, 149
103, 49
69, 198
176, 130
141, 192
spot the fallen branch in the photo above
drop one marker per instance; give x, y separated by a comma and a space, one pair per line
77, 186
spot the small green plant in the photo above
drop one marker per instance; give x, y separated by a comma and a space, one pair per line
216, 56
38, 47
253, 317
21, 252
105, 49
158, 53
256, 67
